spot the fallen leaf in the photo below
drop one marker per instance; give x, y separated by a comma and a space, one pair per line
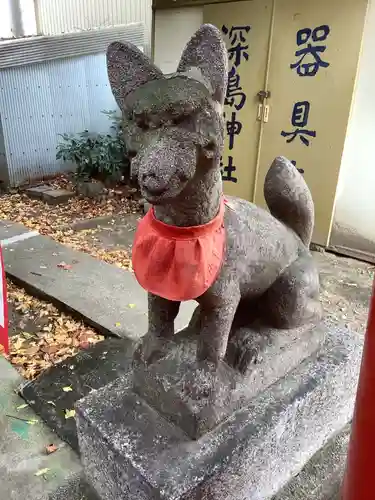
33, 421
59, 338
51, 403
117, 324
64, 265
131, 306
70, 414
51, 448
21, 407
27, 335
18, 343
68, 388
49, 349
42, 472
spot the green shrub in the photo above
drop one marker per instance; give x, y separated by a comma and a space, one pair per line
97, 156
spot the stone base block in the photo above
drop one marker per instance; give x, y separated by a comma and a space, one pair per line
197, 397
129, 451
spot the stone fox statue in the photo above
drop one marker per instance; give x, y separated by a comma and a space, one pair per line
194, 243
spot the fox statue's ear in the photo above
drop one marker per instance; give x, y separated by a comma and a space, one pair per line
206, 52
128, 68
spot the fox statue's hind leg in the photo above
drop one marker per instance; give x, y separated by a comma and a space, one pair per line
293, 299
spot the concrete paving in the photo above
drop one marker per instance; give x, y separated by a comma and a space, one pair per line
109, 298
22, 448
12, 231
322, 477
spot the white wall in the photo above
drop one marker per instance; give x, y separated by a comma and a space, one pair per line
173, 29
62, 16
5, 21
17, 18
354, 218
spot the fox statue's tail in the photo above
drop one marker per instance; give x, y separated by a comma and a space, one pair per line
289, 199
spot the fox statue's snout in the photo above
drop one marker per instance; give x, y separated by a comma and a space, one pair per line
164, 167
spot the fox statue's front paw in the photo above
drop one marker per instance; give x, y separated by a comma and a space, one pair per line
151, 348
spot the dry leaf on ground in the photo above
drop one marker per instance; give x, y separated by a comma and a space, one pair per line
65, 266
51, 448
59, 336
56, 221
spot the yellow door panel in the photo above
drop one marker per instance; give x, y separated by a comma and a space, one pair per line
246, 28
314, 56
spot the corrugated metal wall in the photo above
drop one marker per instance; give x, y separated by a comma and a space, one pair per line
61, 16
40, 101
44, 100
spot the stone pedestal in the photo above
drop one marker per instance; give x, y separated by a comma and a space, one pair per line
181, 431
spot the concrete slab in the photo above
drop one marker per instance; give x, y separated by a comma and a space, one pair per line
109, 298
22, 448
112, 232
93, 223
36, 192
322, 477
57, 196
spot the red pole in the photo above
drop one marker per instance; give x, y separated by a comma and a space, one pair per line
4, 335
360, 468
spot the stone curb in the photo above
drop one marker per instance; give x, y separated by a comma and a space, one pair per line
106, 297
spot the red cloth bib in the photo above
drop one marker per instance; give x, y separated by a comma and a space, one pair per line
178, 263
